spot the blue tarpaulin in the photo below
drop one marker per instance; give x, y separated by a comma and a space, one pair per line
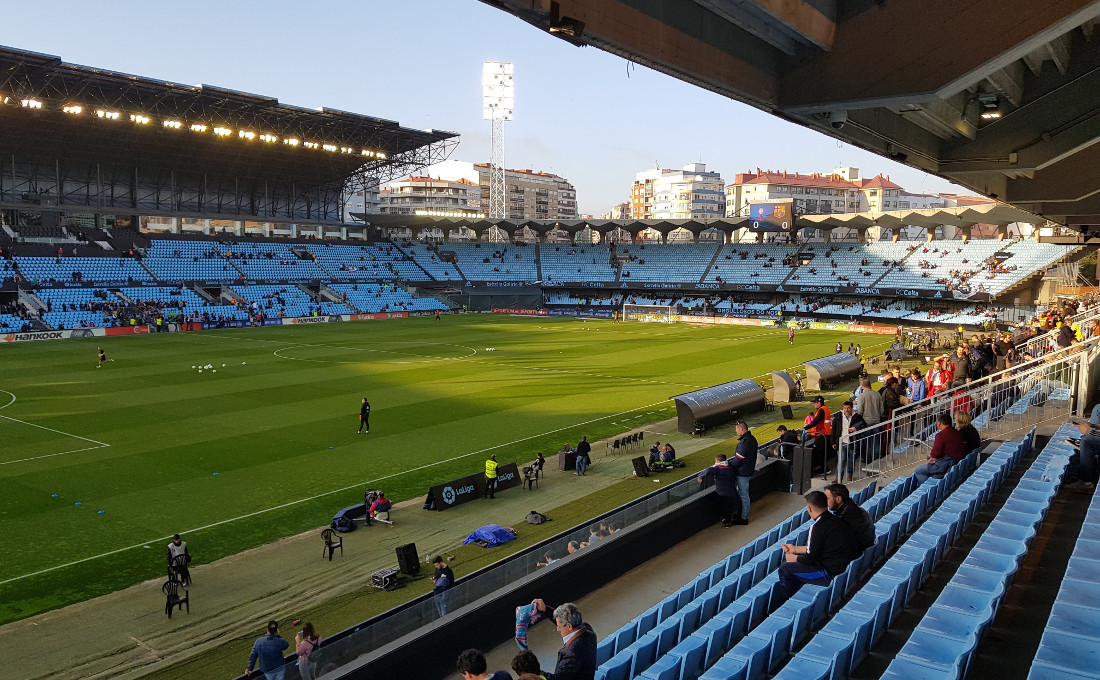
492, 534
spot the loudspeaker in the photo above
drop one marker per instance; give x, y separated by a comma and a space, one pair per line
801, 467
788, 412
641, 468
407, 559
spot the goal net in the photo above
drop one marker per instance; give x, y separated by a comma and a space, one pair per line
652, 313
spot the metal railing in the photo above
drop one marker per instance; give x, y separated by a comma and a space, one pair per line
999, 405
1047, 342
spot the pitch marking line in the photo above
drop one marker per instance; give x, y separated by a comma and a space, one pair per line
357, 485
98, 444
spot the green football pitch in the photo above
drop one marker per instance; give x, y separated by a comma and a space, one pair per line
99, 466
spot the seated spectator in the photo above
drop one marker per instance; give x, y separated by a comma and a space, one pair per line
841, 505
380, 508
655, 453
832, 545
972, 440
668, 454
472, 665
947, 450
526, 666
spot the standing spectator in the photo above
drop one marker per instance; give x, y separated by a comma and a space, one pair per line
841, 505
472, 665
444, 578
306, 641
962, 366
844, 424
491, 477
527, 616
725, 486
584, 449
577, 657
364, 416
268, 650
819, 426
830, 547
744, 463
947, 450
788, 439
918, 389
869, 403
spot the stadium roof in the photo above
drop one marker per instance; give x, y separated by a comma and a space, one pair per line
50, 109
962, 216
999, 96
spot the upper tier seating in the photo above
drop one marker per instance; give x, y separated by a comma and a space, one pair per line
849, 269
383, 263
672, 263
186, 260
576, 263
430, 262
272, 261
931, 261
480, 261
87, 269
760, 263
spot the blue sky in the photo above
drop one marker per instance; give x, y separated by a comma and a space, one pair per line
581, 113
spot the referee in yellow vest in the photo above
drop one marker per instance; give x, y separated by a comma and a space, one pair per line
491, 477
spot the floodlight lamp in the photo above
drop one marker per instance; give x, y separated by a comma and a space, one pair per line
139, 119
268, 138
346, 149
108, 115
198, 127
31, 104
328, 147
174, 124
247, 134
366, 152
291, 141
380, 155
311, 145
74, 109
222, 132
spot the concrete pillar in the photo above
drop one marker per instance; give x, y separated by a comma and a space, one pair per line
206, 226
862, 235
965, 232
929, 234
828, 235
1002, 232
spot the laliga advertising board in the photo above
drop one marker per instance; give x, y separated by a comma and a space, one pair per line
470, 487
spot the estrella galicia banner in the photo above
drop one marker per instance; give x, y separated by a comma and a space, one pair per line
471, 487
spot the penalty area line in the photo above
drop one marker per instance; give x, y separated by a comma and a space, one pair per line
321, 495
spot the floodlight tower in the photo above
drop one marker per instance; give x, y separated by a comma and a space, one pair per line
497, 100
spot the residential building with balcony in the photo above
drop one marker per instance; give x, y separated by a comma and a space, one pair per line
690, 193
431, 196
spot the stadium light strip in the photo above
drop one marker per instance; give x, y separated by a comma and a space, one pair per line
201, 128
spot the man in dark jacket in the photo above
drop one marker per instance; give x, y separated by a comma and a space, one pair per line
845, 423
577, 657
830, 548
744, 463
268, 650
725, 486
841, 505
584, 450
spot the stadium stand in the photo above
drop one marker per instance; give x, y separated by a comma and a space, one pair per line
363, 262
80, 307
768, 263
272, 261
372, 298
676, 262
102, 270
276, 300
576, 263
494, 261
188, 260
179, 302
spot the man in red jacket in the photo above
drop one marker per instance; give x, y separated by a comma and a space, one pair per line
947, 450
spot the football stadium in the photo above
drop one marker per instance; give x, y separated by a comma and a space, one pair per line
787, 443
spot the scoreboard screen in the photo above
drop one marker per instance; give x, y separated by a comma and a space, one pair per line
772, 216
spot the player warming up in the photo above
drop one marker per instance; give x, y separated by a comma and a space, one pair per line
364, 417
790, 336
102, 358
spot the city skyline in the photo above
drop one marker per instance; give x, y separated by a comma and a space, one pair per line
588, 116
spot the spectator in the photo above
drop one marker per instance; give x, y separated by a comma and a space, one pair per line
947, 450
577, 657
869, 404
668, 454
655, 453
527, 616
584, 449
831, 546
444, 579
725, 486
268, 650
788, 439
526, 666
472, 665
306, 641
1088, 455
744, 462
844, 424
972, 440
820, 427
841, 505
